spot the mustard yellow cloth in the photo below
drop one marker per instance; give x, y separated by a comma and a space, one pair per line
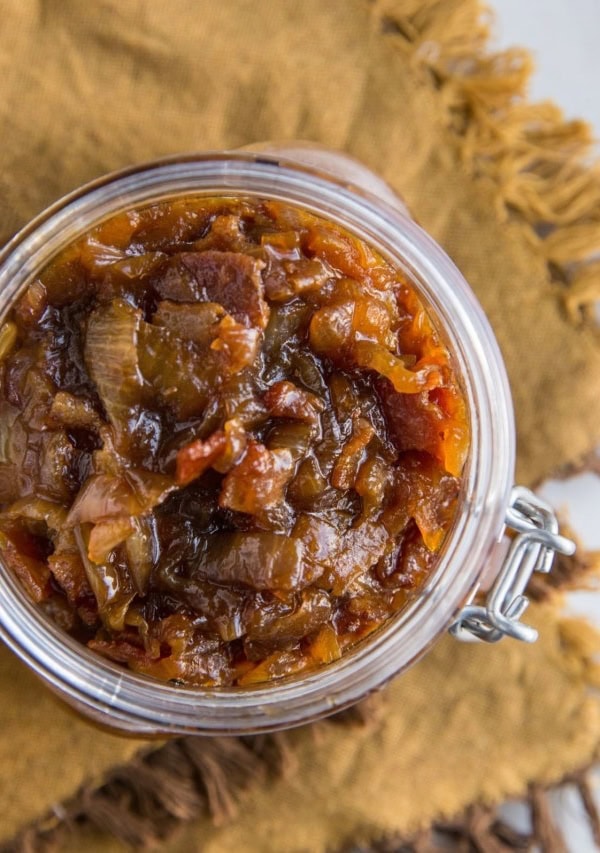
405, 86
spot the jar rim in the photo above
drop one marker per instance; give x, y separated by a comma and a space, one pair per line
143, 705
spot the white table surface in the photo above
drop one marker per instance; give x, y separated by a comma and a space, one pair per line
564, 37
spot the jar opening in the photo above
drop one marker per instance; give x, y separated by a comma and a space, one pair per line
137, 703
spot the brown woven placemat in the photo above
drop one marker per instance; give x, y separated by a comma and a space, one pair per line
478, 829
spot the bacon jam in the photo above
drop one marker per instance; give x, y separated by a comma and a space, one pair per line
231, 441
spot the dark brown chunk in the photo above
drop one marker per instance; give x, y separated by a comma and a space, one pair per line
196, 323
28, 567
232, 280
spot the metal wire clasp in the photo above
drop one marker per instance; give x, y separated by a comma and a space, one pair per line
532, 549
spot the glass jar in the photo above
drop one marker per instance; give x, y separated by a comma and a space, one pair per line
339, 189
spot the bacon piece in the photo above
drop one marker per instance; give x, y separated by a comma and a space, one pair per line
196, 323
433, 421
231, 279
196, 458
221, 451
286, 400
238, 345
346, 468
257, 482
422, 490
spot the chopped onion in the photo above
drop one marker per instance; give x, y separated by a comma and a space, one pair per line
110, 584
8, 337
106, 535
111, 357
105, 496
142, 551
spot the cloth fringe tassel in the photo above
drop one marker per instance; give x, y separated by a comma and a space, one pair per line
143, 802
539, 163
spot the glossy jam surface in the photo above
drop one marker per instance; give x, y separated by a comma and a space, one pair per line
231, 441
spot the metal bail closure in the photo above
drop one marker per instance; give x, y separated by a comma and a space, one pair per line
532, 549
